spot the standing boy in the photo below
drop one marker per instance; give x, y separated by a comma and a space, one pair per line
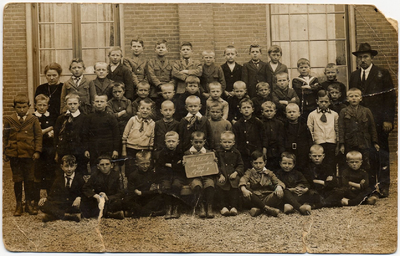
254, 71
283, 95
137, 64
239, 92
211, 73
331, 72
215, 98
185, 67
274, 66
263, 95
22, 144
101, 83
232, 70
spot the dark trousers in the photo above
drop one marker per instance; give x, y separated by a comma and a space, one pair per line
130, 162
380, 164
89, 206
228, 198
23, 174
144, 206
58, 209
270, 200
297, 201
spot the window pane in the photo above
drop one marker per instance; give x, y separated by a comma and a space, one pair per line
46, 57
318, 73
63, 58
279, 8
46, 32
89, 12
63, 37
335, 8
89, 34
317, 26
63, 12
342, 75
46, 12
298, 27
298, 8
298, 50
285, 52
319, 8
105, 34
91, 56
318, 54
337, 52
281, 22
336, 26
105, 12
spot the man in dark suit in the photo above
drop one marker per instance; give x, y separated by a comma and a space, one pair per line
380, 97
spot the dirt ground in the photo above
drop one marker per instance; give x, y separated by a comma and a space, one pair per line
362, 229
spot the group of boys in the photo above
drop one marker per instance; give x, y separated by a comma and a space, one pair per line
283, 148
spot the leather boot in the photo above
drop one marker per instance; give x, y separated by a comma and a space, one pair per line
175, 212
168, 213
210, 213
18, 209
202, 213
271, 211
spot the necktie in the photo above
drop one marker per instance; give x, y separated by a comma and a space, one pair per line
68, 119
21, 120
191, 122
363, 80
187, 62
142, 126
263, 180
68, 182
77, 80
323, 117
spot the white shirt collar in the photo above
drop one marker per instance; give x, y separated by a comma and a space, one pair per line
367, 70
77, 113
188, 116
72, 177
40, 115
192, 150
23, 118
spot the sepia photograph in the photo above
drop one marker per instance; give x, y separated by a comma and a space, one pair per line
214, 127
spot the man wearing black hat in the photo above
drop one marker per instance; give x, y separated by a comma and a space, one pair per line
380, 97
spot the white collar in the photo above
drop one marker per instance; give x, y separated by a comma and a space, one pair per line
77, 113
40, 115
23, 118
192, 150
188, 116
367, 69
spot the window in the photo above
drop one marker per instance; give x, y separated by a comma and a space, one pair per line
66, 31
315, 32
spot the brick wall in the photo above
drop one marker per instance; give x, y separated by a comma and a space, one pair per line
373, 28
14, 54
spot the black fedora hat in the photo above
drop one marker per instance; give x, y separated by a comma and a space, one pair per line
365, 47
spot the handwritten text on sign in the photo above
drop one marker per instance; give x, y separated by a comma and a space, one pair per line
200, 165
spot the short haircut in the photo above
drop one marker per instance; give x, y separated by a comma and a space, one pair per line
316, 147
144, 154
353, 90
239, 84
53, 66
171, 134
281, 73
197, 134
77, 60
104, 157
114, 49
332, 66
335, 86
230, 47
118, 84
162, 41
99, 63
354, 155
186, 44
68, 160
254, 46
208, 52
192, 98
292, 105
268, 104
72, 96
322, 93
256, 154
227, 135
167, 85
246, 100
275, 48
289, 155
143, 84
215, 83
42, 97
138, 40
216, 105
146, 101
303, 61
262, 84
21, 99
102, 95
165, 102
192, 79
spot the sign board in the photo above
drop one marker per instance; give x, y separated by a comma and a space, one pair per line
200, 165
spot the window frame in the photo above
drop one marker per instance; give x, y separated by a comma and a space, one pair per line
76, 35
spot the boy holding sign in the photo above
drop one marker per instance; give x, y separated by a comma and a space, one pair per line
203, 187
